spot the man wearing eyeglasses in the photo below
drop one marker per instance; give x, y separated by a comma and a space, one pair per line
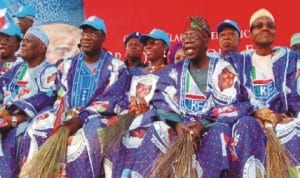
92, 82
269, 74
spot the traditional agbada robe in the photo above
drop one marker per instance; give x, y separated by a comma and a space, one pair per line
94, 92
247, 142
5, 66
278, 93
30, 90
178, 94
119, 158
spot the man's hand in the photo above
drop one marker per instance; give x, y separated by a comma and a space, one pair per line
138, 105
7, 119
73, 124
194, 128
267, 115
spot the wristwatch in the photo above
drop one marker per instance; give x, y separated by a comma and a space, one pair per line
14, 121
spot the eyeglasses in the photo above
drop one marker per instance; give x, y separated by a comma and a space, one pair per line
260, 25
191, 37
91, 33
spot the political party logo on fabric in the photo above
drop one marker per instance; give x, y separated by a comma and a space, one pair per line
264, 90
253, 168
6, 66
192, 100
225, 111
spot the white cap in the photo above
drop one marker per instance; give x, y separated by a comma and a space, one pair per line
40, 34
261, 13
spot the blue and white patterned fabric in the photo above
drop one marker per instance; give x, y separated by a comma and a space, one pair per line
52, 11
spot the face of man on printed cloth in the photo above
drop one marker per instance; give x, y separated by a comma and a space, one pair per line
142, 90
226, 79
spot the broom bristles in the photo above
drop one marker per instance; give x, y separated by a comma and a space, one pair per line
278, 163
177, 161
45, 163
110, 136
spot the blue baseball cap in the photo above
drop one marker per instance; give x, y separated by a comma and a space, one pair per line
295, 39
132, 35
156, 34
39, 33
11, 29
228, 23
94, 22
25, 11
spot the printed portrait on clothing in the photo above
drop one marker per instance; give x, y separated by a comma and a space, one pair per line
143, 86
224, 79
64, 40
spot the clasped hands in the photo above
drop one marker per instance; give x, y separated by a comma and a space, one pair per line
138, 105
266, 115
194, 128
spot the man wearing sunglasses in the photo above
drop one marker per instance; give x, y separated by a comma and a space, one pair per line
269, 74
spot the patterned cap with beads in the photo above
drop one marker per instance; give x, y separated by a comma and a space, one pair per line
197, 22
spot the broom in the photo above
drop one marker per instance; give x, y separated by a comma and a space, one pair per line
46, 162
178, 160
110, 136
277, 160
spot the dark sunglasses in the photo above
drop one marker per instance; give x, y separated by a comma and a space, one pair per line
260, 25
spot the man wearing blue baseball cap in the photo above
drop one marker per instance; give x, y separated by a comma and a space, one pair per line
10, 38
25, 17
228, 36
295, 41
93, 82
133, 51
29, 88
